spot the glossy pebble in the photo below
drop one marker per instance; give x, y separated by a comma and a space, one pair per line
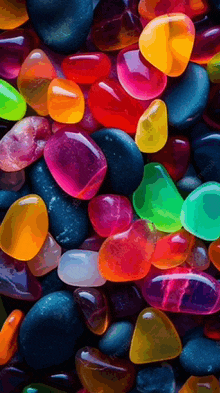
70, 22
40, 388
189, 182
13, 378
124, 159
214, 253
93, 305
110, 214
80, 268
116, 341
24, 143
66, 102
182, 289
92, 243
47, 258
199, 214
155, 338
138, 77
86, 68
173, 35
206, 45
9, 336
41, 337
24, 228
75, 161
67, 380
12, 181
126, 256
157, 199
213, 68
8, 197
188, 97
156, 379
13, 105
96, 369
34, 79
152, 128
208, 384
12, 14
16, 281
198, 257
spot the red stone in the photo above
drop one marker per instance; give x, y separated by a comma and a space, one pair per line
206, 45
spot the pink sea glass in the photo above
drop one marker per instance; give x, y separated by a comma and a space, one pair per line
12, 181
110, 214
137, 76
76, 162
15, 45
24, 143
183, 290
47, 259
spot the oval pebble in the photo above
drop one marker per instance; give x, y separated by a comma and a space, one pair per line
50, 330
156, 379
188, 97
201, 356
124, 159
68, 217
63, 25
116, 341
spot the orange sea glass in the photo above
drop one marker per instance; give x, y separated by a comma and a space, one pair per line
24, 228
9, 336
34, 78
214, 253
207, 384
167, 42
66, 102
154, 339
13, 13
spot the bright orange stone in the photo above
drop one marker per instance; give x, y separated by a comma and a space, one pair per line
24, 228
154, 339
167, 43
34, 78
13, 13
66, 102
207, 384
214, 253
9, 336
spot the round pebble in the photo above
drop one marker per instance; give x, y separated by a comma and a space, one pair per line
156, 379
116, 341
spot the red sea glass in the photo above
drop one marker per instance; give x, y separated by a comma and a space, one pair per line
76, 162
174, 156
182, 290
86, 68
137, 76
113, 107
206, 45
110, 214
24, 143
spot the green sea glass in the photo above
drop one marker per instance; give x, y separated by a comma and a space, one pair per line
12, 104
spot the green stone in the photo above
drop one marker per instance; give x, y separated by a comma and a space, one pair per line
40, 388
157, 199
12, 104
201, 211
213, 68
3, 314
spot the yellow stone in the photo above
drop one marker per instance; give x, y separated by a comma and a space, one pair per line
154, 339
167, 42
152, 128
207, 384
24, 228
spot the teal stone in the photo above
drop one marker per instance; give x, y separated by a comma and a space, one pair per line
158, 200
200, 213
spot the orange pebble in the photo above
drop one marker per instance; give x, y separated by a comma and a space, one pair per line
207, 384
66, 102
9, 336
214, 253
13, 13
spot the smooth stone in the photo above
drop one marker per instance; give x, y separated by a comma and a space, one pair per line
154, 339
156, 379
92, 243
198, 257
12, 181
80, 268
188, 97
24, 143
40, 388
16, 281
124, 160
125, 300
158, 200
64, 380
51, 283
201, 385
116, 341
200, 211
12, 14
13, 378
213, 68
189, 182
3, 314
7, 198
68, 219
70, 22
42, 339
24, 228
201, 357
9, 336
13, 105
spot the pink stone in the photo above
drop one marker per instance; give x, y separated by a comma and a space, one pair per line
110, 214
47, 259
76, 162
24, 143
12, 181
137, 76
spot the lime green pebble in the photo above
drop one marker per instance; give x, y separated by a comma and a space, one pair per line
12, 104
3, 314
157, 199
201, 211
213, 68
40, 388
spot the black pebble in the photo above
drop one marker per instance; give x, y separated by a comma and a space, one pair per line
116, 341
189, 182
156, 379
51, 283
